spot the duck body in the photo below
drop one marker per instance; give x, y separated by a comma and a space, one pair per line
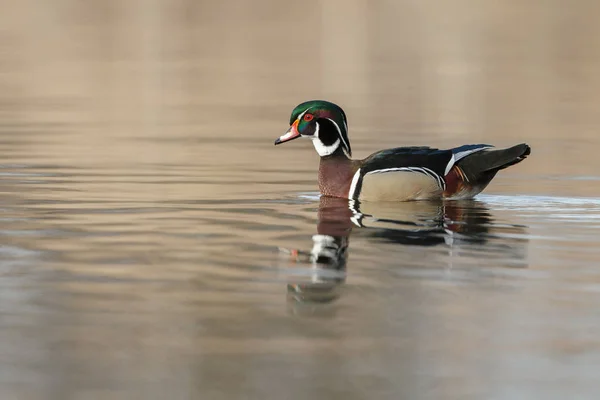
398, 174
416, 173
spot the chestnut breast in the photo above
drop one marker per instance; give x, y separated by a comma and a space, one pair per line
335, 176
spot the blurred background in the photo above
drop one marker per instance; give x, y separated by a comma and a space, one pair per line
144, 207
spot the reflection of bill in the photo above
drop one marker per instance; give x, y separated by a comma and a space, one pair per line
455, 224
328, 270
328, 256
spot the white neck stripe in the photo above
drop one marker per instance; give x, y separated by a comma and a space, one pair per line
325, 150
320, 147
346, 148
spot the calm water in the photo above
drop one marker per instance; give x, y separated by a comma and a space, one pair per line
155, 244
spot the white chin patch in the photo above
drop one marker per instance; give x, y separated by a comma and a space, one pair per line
325, 150
320, 147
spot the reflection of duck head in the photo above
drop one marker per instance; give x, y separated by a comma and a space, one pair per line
328, 255
450, 223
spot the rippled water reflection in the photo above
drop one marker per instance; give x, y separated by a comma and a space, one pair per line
155, 244
151, 293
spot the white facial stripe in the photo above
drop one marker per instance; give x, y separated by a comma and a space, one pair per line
340, 133
355, 179
302, 115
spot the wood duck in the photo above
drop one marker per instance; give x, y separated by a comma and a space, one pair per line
399, 174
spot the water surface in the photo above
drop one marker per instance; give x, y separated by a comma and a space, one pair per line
154, 243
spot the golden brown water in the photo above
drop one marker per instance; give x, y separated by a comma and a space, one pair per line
154, 243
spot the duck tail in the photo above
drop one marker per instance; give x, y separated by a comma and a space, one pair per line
481, 167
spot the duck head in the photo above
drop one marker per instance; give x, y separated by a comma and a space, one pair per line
324, 123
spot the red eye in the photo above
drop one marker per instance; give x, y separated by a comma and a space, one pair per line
308, 117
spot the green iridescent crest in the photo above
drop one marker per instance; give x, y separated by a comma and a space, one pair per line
324, 118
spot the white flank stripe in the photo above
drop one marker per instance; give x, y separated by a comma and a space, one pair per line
440, 181
353, 184
433, 174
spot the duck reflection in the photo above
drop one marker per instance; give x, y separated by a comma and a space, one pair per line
425, 223
453, 224
328, 255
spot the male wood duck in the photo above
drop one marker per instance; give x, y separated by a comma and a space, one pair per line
399, 174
